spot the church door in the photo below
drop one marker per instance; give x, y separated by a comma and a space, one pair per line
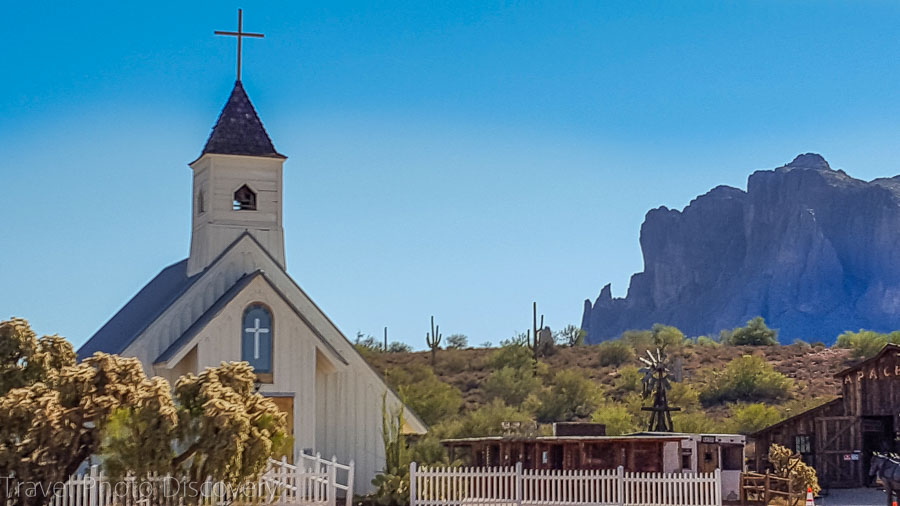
286, 405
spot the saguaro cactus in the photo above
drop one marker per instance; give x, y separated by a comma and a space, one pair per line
534, 341
434, 341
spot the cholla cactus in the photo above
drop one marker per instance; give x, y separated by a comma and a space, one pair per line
789, 465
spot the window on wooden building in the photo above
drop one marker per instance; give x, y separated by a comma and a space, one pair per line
802, 444
732, 458
244, 199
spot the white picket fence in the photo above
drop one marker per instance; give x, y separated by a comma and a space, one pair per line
513, 486
314, 482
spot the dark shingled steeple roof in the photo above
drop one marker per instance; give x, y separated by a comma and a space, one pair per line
239, 131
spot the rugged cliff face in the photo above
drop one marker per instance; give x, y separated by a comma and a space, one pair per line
811, 249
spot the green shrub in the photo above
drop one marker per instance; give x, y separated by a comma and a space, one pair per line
616, 417
455, 361
398, 347
684, 396
695, 423
614, 353
749, 418
640, 340
511, 385
425, 394
756, 333
630, 380
572, 396
749, 379
511, 355
666, 337
487, 421
864, 344
707, 341
457, 342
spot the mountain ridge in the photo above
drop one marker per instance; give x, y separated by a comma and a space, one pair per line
811, 249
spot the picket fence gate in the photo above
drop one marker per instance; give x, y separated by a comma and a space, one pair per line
313, 482
514, 486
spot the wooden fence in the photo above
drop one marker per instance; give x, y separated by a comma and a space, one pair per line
316, 484
513, 486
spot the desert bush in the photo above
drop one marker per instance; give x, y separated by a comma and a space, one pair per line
749, 418
629, 380
695, 423
511, 355
756, 333
457, 342
787, 465
683, 395
512, 385
487, 420
572, 396
428, 450
614, 353
666, 337
367, 345
864, 344
640, 340
455, 361
570, 336
747, 378
398, 347
425, 394
616, 417
707, 341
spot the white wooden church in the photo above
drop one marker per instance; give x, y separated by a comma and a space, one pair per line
232, 299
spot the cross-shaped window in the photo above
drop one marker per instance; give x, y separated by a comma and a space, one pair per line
256, 339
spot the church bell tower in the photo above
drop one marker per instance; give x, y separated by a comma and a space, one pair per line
237, 186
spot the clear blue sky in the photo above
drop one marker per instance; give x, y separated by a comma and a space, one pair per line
458, 160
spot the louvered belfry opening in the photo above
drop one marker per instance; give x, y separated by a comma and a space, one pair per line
244, 199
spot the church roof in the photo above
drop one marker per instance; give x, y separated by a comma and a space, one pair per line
128, 323
239, 131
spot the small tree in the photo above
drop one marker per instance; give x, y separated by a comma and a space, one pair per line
513, 385
457, 342
749, 418
572, 396
756, 333
425, 394
749, 379
570, 336
433, 340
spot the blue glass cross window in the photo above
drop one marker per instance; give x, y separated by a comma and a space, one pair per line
256, 343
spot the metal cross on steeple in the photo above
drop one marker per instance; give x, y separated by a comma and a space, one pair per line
240, 34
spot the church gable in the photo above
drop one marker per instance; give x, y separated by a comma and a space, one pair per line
255, 323
256, 331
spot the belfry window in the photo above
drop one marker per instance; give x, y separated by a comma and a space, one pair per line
201, 202
256, 340
244, 199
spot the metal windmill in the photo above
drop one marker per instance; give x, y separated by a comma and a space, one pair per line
656, 382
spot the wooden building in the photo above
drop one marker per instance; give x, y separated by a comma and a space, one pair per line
838, 437
634, 453
640, 452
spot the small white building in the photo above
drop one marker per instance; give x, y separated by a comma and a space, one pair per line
232, 299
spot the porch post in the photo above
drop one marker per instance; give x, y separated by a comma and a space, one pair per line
412, 484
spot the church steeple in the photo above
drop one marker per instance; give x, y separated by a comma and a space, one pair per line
237, 186
239, 130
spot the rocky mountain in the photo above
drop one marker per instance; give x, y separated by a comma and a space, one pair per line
811, 249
